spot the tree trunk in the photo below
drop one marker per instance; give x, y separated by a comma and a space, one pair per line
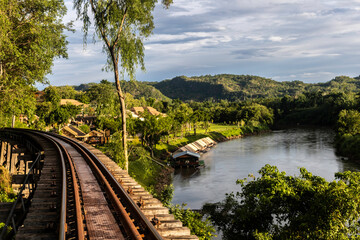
123, 111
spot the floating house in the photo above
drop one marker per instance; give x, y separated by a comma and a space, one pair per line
186, 159
189, 154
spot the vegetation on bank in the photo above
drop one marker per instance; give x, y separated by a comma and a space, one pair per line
198, 225
277, 206
6, 192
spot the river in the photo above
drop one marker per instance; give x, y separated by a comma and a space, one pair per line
287, 149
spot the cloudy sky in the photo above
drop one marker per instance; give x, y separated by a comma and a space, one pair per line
285, 40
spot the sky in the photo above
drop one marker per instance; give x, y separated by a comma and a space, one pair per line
285, 40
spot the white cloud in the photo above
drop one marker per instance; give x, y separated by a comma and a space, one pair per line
281, 39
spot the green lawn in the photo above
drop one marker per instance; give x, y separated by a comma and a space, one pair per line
216, 132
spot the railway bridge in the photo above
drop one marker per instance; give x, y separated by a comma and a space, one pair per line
69, 190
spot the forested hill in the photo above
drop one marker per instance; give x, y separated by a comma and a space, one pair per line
240, 87
135, 88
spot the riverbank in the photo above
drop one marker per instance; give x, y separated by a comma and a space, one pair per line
231, 160
217, 132
348, 146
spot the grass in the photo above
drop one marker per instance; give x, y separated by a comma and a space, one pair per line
217, 132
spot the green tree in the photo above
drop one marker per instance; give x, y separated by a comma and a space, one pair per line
256, 113
198, 225
52, 95
121, 25
152, 129
31, 37
103, 97
349, 122
277, 206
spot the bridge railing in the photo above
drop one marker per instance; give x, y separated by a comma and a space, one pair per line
11, 221
15, 218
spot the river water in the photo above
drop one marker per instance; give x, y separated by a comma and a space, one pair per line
287, 149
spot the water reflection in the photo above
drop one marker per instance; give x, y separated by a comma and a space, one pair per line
287, 149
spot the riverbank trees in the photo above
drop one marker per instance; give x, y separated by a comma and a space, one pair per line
277, 206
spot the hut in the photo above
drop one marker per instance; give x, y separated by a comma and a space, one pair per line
186, 159
74, 132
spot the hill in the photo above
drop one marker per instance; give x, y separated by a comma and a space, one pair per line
135, 88
241, 87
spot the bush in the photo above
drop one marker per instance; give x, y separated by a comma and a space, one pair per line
6, 192
194, 221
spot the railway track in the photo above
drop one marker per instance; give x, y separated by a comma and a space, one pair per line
77, 197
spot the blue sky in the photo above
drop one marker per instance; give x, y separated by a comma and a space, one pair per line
285, 40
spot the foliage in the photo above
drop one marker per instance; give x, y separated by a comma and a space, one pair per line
85, 128
103, 97
276, 206
152, 128
121, 25
163, 189
256, 113
246, 87
31, 37
198, 226
61, 114
9, 228
114, 149
113, 124
6, 192
349, 122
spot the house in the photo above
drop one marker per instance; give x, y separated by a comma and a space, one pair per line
138, 111
73, 102
186, 159
74, 132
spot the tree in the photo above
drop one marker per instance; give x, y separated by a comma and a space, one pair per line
103, 96
256, 113
277, 206
31, 37
152, 129
349, 122
121, 25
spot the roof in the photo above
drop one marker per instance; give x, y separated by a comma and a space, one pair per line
137, 110
186, 153
73, 102
151, 110
95, 133
74, 131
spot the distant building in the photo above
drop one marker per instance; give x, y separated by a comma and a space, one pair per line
73, 102
74, 132
138, 111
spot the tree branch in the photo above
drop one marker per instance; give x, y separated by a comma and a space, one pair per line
121, 27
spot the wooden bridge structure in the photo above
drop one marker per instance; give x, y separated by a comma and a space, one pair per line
69, 190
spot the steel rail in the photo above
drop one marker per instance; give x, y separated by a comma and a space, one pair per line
129, 226
62, 227
151, 232
79, 220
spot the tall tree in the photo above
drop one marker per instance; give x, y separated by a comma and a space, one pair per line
31, 37
121, 25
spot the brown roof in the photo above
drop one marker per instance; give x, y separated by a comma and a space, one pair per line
137, 110
73, 102
151, 110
